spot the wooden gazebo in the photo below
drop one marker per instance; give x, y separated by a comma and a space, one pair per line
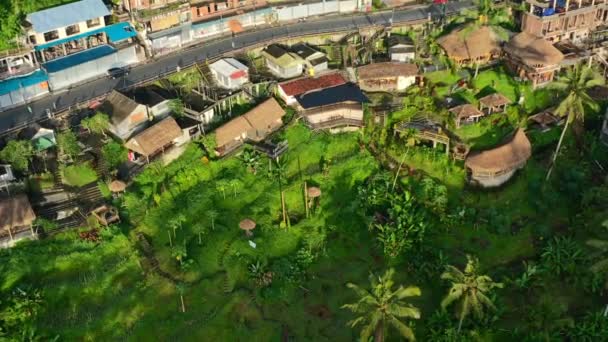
466, 114
494, 103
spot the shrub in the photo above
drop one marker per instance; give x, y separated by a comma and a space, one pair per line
562, 256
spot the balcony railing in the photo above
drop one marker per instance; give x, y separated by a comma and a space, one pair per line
335, 122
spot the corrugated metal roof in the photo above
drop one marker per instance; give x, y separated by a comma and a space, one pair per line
78, 58
66, 15
227, 66
12, 84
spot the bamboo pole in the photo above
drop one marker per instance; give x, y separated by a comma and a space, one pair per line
181, 297
170, 241
283, 205
306, 199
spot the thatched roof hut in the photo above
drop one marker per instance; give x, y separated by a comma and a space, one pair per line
533, 51
466, 113
16, 217
494, 103
480, 45
495, 166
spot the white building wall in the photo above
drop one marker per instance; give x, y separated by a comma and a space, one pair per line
404, 82
78, 73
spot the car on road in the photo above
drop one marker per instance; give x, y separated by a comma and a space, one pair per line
115, 73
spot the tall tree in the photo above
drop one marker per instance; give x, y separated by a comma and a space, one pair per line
68, 144
381, 307
470, 289
18, 153
114, 154
574, 87
97, 124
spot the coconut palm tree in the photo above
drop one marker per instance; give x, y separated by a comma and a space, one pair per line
181, 289
212, 214
381, 307
221, 186
235, 184
574, 86
469, 288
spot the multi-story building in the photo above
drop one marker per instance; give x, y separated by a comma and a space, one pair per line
564, 19
158, 15
63, 30
207, 9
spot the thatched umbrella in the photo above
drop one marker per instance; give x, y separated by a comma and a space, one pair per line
117, 186
313, 193
247, 225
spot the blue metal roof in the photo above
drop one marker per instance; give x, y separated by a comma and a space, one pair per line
115, 32
78, 58
327, 96
66, 15
12, 84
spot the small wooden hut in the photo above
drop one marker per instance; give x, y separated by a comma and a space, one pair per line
491, 168
16, 220
466, 114
494, 103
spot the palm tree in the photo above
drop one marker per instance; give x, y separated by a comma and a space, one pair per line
235, 184
470, 288
177, 107
381, 307
200, 229
212, 216
179, 252
487, 14
221, 186
574, 85
181, 288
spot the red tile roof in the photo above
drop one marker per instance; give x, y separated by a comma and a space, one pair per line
301, 86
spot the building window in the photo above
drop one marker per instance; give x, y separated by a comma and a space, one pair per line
93, 22
72, 29
51, 35
33, 39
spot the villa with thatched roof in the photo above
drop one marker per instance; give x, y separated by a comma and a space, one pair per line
477, 47
533, 58
16, 220
387, 76
255, 125
155, 139
494, 103
494, 167
466, 114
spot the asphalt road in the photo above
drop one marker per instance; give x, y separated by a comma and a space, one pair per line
36, 110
